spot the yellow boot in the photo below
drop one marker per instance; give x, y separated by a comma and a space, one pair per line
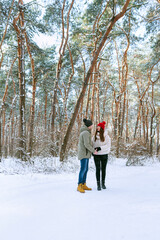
80, 188
84, 186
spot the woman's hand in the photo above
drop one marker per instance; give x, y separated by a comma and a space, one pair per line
98, 149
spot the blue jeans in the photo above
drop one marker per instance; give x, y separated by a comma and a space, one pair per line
83, 170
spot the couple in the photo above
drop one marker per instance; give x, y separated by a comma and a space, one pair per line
99, 146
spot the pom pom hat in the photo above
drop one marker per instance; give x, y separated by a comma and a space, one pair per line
102, 124
88, 123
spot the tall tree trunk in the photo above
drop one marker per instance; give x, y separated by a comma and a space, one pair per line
158, 144
21, 153
6, 142
104, 100
45, 113
95, 57
119, 127
152, 131
88, 97
125, 77
12, 134
147, 124
22, 133
98, 104
143, 122
0, 139
97, 92
116, 118
32, 113
3, 126
127, 127
93, 95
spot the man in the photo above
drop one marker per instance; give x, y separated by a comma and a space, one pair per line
85, 150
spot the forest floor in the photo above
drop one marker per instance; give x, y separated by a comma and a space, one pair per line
48, 207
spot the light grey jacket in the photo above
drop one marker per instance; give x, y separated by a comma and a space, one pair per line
85, 148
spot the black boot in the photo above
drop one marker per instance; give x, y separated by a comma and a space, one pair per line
103, 185
98, 186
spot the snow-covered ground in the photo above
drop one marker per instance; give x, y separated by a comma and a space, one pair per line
38, 206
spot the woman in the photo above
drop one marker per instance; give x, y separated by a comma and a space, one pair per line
85, 149
102, 143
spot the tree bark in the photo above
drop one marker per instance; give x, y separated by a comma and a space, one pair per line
0, 140
45, 113
93, 94
127, 128
158, 120
21, 153
32, 115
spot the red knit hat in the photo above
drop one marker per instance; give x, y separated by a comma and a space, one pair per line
102, 124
